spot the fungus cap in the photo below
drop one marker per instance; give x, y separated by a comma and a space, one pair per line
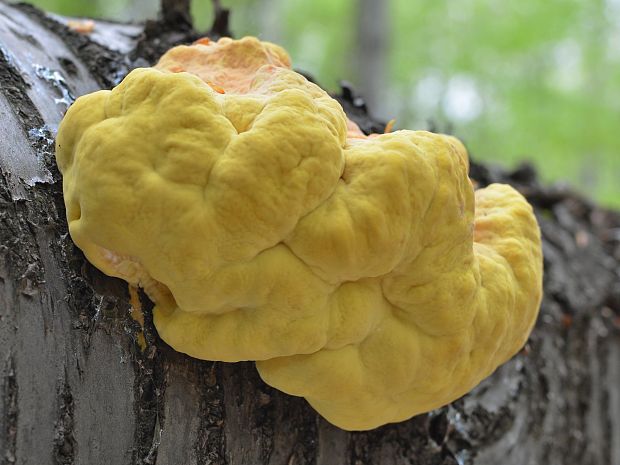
362, 273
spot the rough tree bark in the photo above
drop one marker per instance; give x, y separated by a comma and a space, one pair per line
75, 388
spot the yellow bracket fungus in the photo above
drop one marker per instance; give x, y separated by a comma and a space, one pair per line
362, 273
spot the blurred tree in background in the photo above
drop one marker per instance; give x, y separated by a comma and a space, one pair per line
525, 80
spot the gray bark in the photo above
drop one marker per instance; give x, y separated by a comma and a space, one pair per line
75, 387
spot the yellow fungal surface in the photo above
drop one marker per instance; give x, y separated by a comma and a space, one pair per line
362, 273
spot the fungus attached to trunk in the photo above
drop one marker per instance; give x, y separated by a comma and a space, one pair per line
362, 273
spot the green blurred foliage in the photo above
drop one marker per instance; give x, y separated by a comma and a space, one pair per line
536, 80
545, 75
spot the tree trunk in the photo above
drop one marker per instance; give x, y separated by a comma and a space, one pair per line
372, 32
76, 388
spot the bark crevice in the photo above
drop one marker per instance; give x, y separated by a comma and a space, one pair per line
64, 439
8, 445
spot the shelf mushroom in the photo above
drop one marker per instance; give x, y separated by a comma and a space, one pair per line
360, 272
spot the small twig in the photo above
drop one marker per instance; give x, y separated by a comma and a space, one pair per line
220, 27
176, 13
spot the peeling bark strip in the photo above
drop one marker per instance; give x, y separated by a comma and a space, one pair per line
14, 89
106, 66
77, 389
